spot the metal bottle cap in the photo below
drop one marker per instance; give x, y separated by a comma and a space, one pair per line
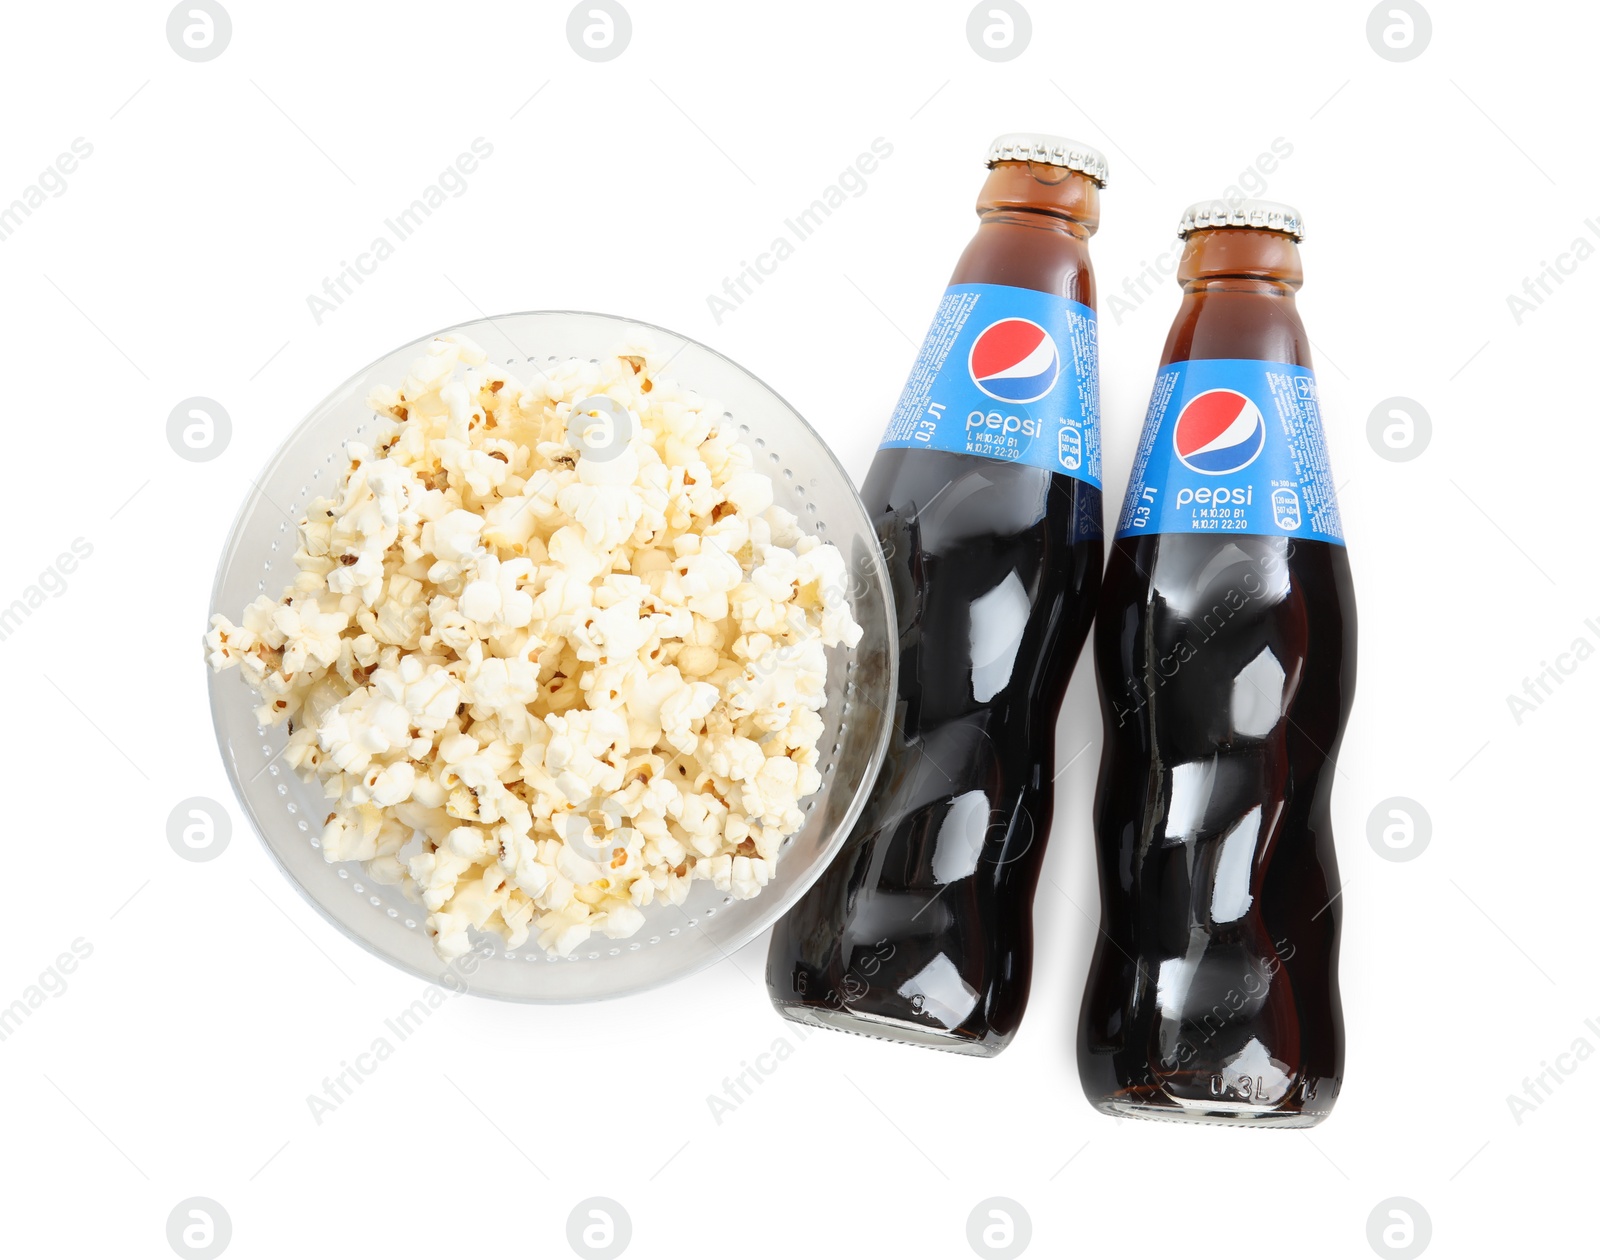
1034, 146
1266, 216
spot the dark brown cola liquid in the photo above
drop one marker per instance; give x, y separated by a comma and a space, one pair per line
1190, 1014
921, 929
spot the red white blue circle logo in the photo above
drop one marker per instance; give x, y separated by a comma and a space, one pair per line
1014, 361
1218, 432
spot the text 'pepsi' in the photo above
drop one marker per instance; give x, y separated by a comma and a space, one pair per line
986, 494
1225, 652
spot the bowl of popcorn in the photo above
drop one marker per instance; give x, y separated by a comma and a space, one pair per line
552, 653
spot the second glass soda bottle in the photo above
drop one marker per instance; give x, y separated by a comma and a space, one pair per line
986, 492
1226, 656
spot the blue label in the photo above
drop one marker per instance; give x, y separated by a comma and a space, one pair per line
1232, 446
1007, 374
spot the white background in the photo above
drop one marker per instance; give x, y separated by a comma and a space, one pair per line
177, 262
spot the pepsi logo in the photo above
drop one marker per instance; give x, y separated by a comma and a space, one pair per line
1015, 361
1218, 432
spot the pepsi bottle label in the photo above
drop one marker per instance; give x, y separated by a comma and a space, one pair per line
1008, 374
1232, 446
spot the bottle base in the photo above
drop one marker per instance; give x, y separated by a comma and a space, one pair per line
887, 1028
1196, 1112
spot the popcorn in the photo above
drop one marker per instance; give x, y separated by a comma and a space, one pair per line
546, 685
454, 536
494, 598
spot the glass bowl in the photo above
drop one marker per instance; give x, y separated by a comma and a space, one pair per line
675, 940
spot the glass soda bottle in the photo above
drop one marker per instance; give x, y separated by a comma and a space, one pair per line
986, 493
1225, 649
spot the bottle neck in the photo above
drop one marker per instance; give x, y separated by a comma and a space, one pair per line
1034, 225
1239, 289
